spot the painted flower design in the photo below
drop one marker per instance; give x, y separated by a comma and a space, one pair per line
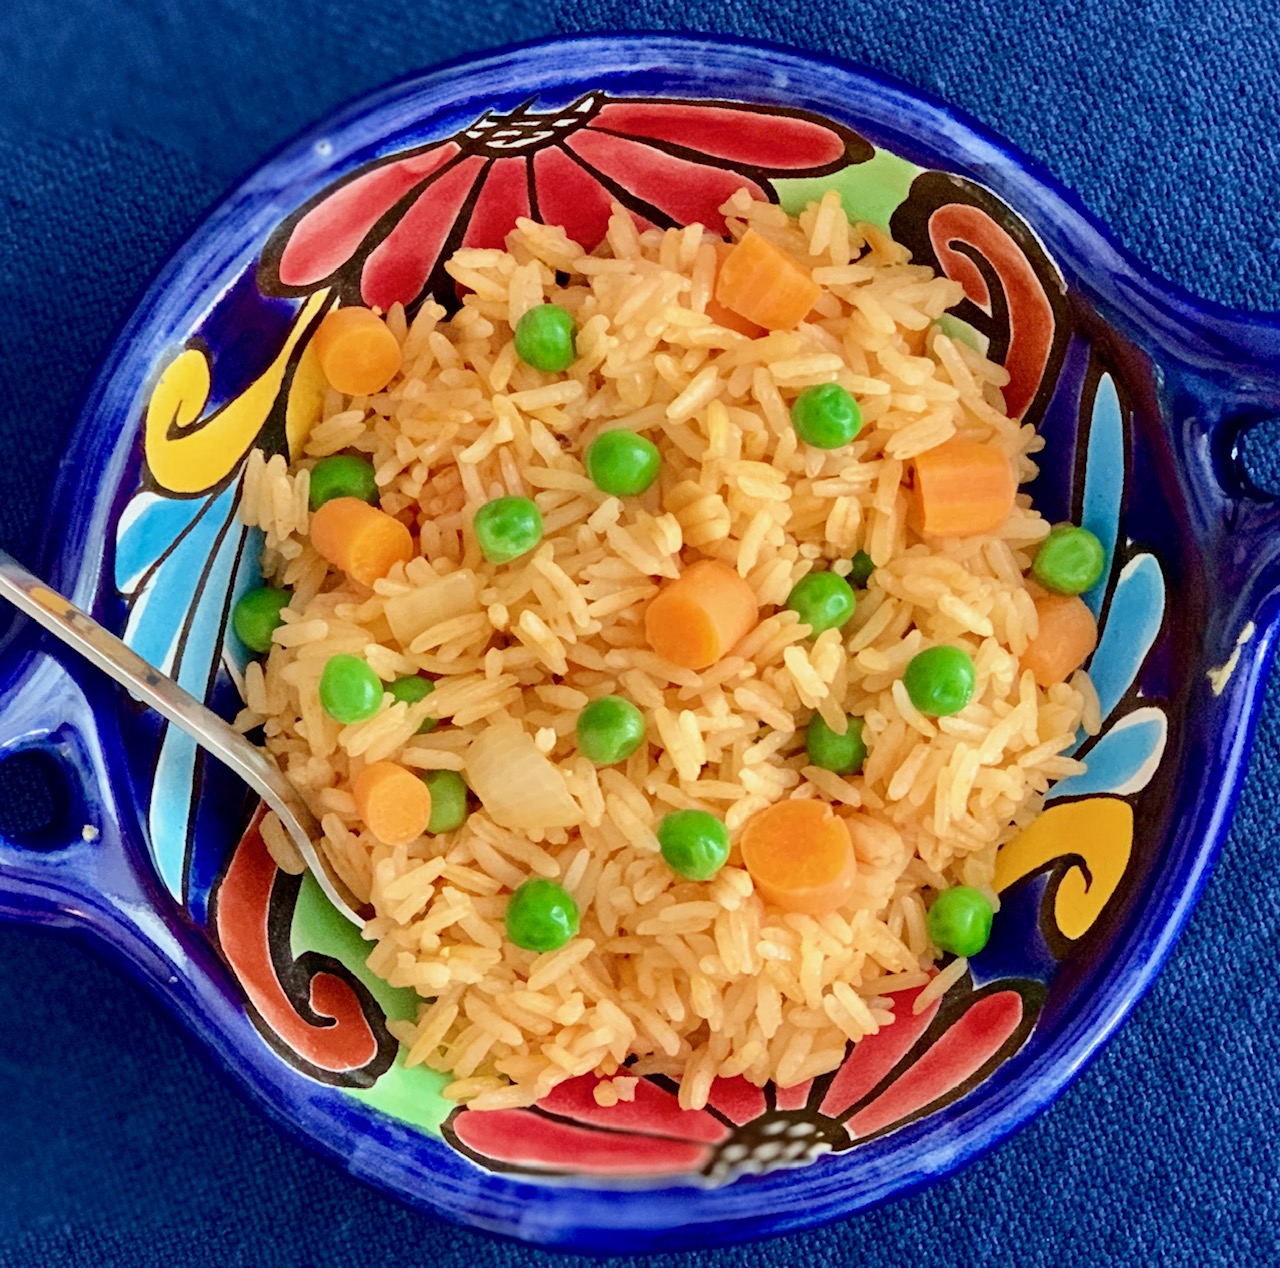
916, 1065
1084, 838
1015, 298
381, 235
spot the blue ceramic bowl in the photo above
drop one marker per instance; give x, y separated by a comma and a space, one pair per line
1141, 393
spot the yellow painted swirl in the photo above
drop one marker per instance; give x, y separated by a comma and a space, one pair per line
187, 453
1097, 831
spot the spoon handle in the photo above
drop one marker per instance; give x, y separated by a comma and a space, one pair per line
117, 659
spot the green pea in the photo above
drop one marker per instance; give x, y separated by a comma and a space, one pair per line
256, 616
940, 681
822, 600
545, 338
1070, 560
349, 690
541, 916
507, 528
861, 570
610, 730
411, 689
843, 754
960, 920
343, 475
694, 843
826, 416
621, 463
448, 800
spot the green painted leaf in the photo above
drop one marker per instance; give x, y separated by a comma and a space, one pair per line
411, 1095
870, 191
962, 332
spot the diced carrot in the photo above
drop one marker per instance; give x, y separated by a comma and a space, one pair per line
1067, 637
394, 803
962, 488
761, 282
360, 539
698, 617
723, 316
358, 355
800, 856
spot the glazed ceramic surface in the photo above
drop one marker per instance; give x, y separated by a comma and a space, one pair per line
1139, 392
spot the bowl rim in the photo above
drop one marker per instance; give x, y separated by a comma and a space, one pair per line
1175, 316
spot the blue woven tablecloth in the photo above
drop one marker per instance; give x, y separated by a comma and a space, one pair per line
121, 120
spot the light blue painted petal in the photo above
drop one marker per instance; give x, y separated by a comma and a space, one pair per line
1123, 760
200, 654
171, 810
169, 816
182, 586
148, 526
156, 618
1104, 480
1133, 621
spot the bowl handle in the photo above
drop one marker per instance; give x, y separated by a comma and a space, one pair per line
74, 871
1222, 380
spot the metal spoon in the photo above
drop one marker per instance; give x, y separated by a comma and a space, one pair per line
78, 630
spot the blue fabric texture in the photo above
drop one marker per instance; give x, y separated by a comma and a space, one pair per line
122, 120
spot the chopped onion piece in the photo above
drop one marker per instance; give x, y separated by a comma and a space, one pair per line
419, 609
518, 785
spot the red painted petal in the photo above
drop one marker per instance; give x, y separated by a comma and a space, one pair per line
572, 198
503, 196
687, 192
738, 1100
329, 234
522, 1138
1031, 318
654, 1112
793, 1098
330, 995
752, 137
398, 267
963, 1050
243, 920
873, 1057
